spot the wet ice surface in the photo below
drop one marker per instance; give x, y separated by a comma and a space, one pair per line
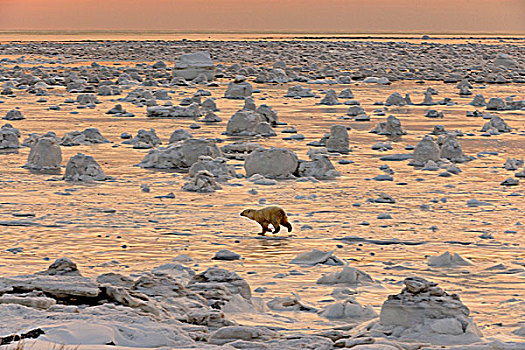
115, 226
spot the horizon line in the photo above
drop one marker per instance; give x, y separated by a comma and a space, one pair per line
175, 31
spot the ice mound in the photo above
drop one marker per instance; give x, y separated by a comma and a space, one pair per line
292, 303
271, 163
496, 125
180, 135
180, 155
434, 114
425, 312
447, 260
392, 126
140, 97
396, 100
249, 104
376, 80
428, 100
203, 182
510, 182
430, 165
346, 93
343, 79
14, 114
474, 203
513, 163
464, 91
62, 267
330, 98
338, 141
268, 114
84, 168
45, 153
218, 285
478, 101
189, 66
355, 111
439, 130
191, 111
451, 149
319, 167
277, 76
426, 149
79, 86
349, 310
383, 198
162, 95
446, 148
209, 105
87, 137
382, 146
144, 139
299, 91
178, 81
315, 257
85, 99
238, 89
496, 104
348, 275
120, 112
211, 117
248, 123
259, 179
464, 83
200, 79
109, 90
218, 167
225, 254
9, 137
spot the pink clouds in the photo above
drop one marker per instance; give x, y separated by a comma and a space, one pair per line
267, 15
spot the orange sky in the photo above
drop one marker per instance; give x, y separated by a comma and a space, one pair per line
268, 15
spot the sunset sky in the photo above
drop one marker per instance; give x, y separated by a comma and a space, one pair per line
489, 16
